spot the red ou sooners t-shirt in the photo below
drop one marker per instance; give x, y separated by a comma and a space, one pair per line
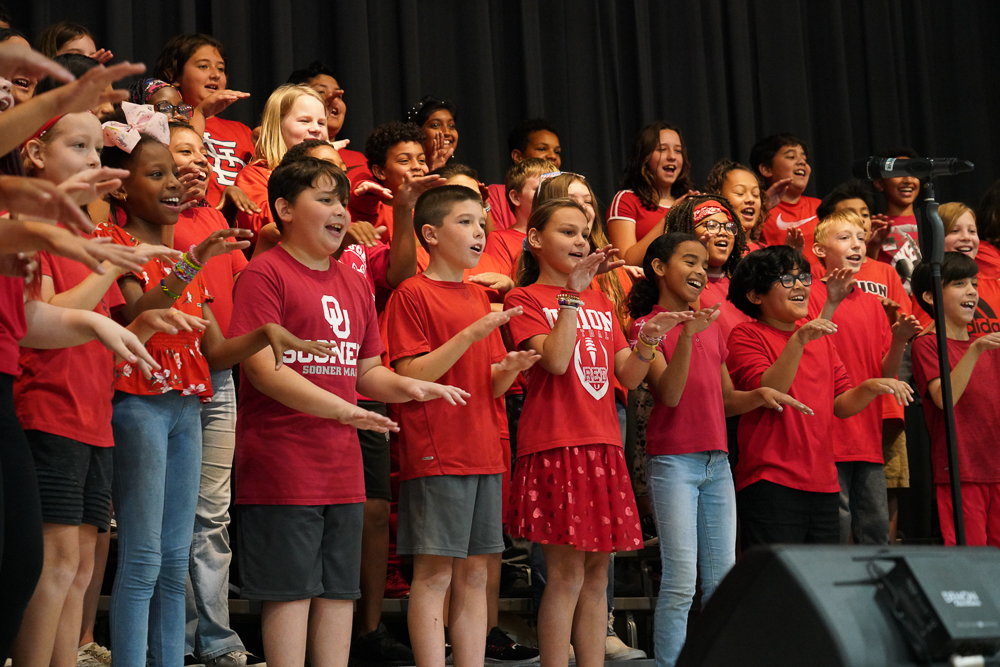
286, 457
787, 447
977, 418
436, 438
68, 391
577, 407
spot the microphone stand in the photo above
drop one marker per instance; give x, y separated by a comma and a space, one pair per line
931, 231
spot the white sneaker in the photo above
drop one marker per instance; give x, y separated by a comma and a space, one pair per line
92, 655
616, 650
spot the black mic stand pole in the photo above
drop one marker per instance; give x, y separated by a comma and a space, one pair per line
931, 231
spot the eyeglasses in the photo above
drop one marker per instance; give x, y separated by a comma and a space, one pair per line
788, 280
713, 227
185, 110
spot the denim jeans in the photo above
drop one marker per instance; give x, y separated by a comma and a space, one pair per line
208, 634
157, 463
864, 506
695, 506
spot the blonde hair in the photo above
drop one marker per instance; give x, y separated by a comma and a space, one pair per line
951, 212
520, 172
270, 146
835, 218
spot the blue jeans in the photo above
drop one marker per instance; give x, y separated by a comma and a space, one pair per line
695, 505
157, 464
208, 634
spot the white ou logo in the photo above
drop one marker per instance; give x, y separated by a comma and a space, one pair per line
339, 319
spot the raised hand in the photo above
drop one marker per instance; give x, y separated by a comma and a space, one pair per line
217, 243
609, 263
40, 200
839, 284
702, 319
776, 192
440, 152
92, 89
340, 143
907, 327
364, 233
774, 399
487, 324
418, 390
281, 339
86, 186
413, 186
374, 189
28, 63
891, 309
987, 342
881, 226
219, 101
658, 325
815, 330
880, 386
518, 361
19, 265
102, 56
146, 251
495, 281
794, 238
583, 273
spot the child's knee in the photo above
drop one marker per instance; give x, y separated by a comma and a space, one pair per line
433, 572
376, 514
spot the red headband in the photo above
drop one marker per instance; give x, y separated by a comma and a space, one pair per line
44, 128
710, 207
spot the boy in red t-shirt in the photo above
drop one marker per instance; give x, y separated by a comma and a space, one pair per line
297, 456
451, 459
782, 160
870, 348
504, 245
894, 235
975, 367
395, 151
786, 481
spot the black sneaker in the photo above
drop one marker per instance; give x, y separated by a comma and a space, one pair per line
649, 537
379, 648
501, 649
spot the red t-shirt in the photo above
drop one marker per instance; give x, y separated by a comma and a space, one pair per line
862, 340
987, 317
68, 392
717, 291
253, 181
286, 457
13, 326
184, 367
977, 420
505, 247
787, 447
627, 206
988, 260
362, 207
577, 407
372, 263
698, 423
900, 249
436, 438
800, 215
500, 211
229, 147
193, 227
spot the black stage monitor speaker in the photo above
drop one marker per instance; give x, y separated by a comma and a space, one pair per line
850, 606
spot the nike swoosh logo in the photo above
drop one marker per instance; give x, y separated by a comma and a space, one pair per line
785, 225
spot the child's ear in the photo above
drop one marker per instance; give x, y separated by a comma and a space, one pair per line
33, 150
515, 198
659, 268
878, 186
516, 155
754, 298
534, 238
378, 171
819, 250
284, 209
928, 298
429, 233
766, 171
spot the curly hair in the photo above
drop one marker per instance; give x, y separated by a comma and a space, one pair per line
758, 272
387, 135
681, 219
716, 181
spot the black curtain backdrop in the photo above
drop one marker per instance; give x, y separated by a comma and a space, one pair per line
849, 77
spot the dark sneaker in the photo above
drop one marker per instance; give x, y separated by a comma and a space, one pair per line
649, 536
501, 649
395, 586
379, 648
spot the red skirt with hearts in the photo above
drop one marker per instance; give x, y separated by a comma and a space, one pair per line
580, 496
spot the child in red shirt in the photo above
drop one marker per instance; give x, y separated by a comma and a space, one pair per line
870, 347
656, 176
975, 366
505, 244
742, 187
441, 328
786, 481
196, 65
782, 161
988, 220
297, 455
571, 489
894, 235
531, 138
686, 451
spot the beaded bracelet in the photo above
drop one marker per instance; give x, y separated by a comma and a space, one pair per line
185, 269
194, 260
642, 358
569, 300
649, 340
166, 290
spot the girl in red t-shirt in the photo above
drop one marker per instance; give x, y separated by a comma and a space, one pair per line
687, 461
157, 421
656, 176
571, 490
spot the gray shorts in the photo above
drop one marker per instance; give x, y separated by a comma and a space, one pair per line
298, 552
450, 515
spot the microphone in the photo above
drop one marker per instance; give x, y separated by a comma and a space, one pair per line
877, 168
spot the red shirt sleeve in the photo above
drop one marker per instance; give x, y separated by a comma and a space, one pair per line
749, 357
406, 325
531, 323
253, 181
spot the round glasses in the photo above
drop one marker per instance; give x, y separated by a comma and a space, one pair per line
714, 226
169, 109
788, 279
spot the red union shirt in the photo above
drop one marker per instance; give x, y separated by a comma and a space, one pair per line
577, 407
436, 438
229, 148
627, 206
286, 457
977, 419
787, 447
68, 391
